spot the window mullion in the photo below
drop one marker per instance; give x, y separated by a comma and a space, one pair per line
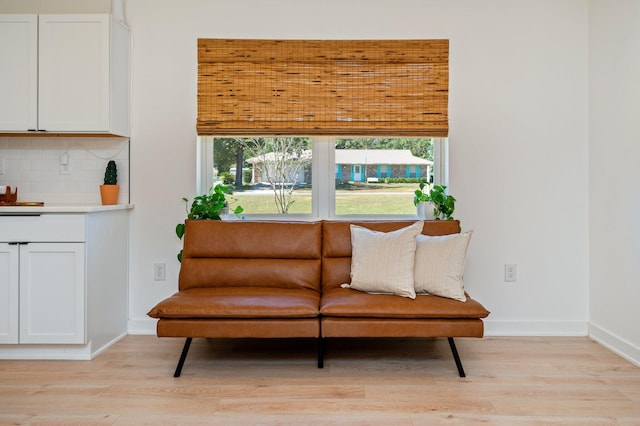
323, 170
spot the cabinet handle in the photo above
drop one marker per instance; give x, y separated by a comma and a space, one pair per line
18, 243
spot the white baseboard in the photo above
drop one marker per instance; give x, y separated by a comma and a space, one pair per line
535, 328
142, 326
115, 340
618, 345
72, 352
39, 352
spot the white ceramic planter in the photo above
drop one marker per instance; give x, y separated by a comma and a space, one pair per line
425, 211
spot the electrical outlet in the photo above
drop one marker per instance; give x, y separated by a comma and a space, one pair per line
65, 169
65, 164
510, 273
159, 271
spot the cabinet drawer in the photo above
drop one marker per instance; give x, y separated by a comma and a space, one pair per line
45, 228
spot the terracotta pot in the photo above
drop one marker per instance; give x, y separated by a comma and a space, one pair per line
109, 194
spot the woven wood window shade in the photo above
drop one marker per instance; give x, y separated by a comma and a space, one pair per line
328, 87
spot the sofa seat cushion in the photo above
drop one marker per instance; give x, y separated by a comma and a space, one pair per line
340, 302
239, 302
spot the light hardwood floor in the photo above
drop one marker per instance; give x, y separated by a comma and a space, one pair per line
510, 381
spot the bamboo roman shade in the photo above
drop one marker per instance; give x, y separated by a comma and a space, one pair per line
328, 87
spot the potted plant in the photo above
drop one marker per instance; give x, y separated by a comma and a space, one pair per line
210, 206
110, 190
422, 201
434, 204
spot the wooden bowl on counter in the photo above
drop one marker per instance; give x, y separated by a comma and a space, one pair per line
9, 195
10, 199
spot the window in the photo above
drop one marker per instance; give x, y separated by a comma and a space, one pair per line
345, 106
321, 177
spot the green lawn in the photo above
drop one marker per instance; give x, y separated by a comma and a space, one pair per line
264, 202
357, 199
367, 203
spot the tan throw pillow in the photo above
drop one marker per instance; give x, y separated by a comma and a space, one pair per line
382, 262
439, 265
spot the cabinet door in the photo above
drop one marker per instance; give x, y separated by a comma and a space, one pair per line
18, 72
8, 293
52, 293
74, 73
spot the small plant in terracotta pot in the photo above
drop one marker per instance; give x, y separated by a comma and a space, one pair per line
109, 191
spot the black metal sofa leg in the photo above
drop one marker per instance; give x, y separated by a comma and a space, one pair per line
183, 356
321, 345
456, 357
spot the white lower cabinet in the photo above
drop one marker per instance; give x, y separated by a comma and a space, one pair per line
52, 293
63, 284
45, 282
9, 293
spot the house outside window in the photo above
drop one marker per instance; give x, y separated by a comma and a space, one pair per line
381, 163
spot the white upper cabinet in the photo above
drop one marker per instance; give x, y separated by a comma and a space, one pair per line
80, 67
18, 72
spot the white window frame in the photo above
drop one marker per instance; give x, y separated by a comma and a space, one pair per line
204, 171
323, 190
441, 161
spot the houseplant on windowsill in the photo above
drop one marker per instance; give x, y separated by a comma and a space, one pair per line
434, 204
210, 206
110, 190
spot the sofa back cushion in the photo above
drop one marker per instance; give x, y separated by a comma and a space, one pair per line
251, 254
336, 244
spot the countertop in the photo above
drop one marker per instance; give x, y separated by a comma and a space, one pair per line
62, 208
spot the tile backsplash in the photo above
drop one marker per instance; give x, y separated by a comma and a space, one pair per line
34, 166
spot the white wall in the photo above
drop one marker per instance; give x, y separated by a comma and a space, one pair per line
518, 140
518, 133
614, 151
518, 120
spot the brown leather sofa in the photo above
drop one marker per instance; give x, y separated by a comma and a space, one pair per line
243, 279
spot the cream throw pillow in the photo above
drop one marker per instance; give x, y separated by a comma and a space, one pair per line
382, 262
439, 265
